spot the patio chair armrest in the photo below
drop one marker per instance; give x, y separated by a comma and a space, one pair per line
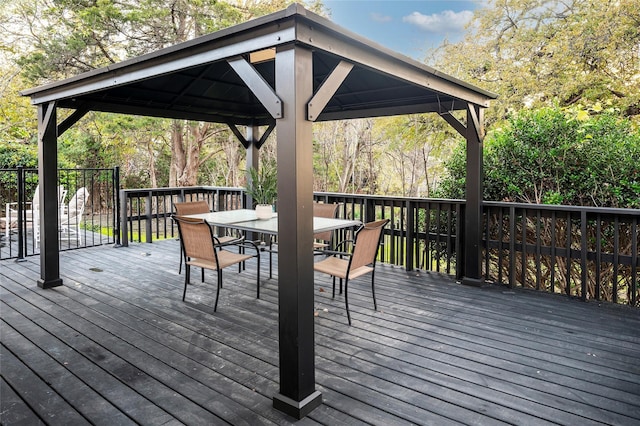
28, 205
263, 245
343, 243
246, 244
235, 242
333, 253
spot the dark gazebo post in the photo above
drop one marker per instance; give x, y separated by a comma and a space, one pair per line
48, 208
473, 215
294, 85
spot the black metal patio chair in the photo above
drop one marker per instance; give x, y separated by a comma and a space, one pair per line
203, 249
361, 260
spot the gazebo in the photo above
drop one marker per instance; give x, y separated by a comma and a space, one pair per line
283, 71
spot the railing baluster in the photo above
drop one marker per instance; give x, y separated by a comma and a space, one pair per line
438, 234
500, 244
523, 253
568, 242
616, 258
583, 254
553, 251
598, 262
634, 262
448, 238
411, 236
538, 251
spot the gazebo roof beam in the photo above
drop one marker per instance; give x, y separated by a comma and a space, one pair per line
122, 108
366, 56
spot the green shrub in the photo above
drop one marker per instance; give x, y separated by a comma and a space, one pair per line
557, 156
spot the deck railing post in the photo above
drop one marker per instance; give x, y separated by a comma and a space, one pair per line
148, 213
460, 240
124, 219
635, 262
369, 210
583, 255
21, 214
410, 235
116, 203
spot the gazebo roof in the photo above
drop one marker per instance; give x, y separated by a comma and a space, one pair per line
206, 78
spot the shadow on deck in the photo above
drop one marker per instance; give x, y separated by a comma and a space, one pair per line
116, 345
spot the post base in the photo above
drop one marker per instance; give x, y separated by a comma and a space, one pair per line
473, 282
50, 284
297, 409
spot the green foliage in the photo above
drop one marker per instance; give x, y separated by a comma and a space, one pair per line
263, 187
14, 154
557, 156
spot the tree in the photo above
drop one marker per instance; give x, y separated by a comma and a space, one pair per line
537, 53
344, 157
413, 146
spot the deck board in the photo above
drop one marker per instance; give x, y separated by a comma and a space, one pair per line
117, 339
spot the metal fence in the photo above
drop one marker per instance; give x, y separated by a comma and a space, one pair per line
97, 225
145, 214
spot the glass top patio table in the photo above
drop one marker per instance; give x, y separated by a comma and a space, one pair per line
246, 220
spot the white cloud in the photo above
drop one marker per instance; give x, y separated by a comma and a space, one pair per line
443, 22
379, 17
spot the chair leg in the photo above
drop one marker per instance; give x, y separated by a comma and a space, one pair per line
202, 274
333, 292
187, 274
180, 267
258, 274
215, 306
346, 299
270, 259
373, 291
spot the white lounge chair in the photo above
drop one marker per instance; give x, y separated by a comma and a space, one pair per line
71, 214
30, 210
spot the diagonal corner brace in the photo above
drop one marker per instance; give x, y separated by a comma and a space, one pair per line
48, 119
328, 88
474, 114
258, 85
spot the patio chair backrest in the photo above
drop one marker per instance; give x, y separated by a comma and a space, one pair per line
324, 210
35, 202
191, 207
78, 202
366, 243
196, 238
62, 194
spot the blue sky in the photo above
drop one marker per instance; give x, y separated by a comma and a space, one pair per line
408, 27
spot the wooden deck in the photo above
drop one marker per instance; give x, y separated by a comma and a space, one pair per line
116, 345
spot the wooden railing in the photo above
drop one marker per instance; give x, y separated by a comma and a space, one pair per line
590, 253
587, 252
